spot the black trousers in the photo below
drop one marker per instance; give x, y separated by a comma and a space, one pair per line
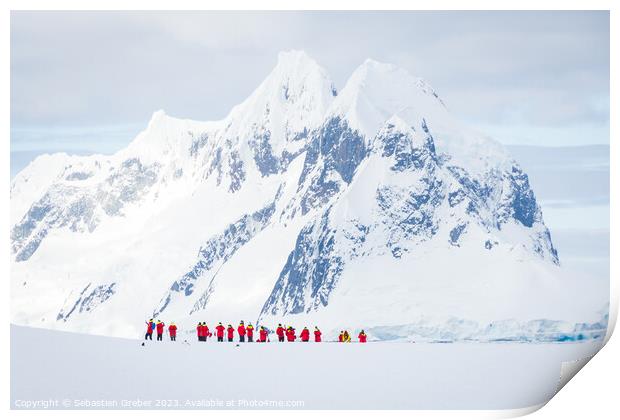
148, 336
230, 339
220, 339
241, 338
281, 339
173, 338
160, 337
250, 339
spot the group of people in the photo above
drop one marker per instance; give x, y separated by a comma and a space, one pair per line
203, 332
344, 337
290, 335
159, 327
243, 331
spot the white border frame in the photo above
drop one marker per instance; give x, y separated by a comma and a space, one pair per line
314, 5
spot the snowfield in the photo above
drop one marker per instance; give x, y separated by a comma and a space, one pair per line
85, 371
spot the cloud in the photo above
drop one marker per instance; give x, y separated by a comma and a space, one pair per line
536, 69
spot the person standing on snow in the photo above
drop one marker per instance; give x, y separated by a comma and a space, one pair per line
249, 330
362, 337
280, 333
341, 337
305, 335
317, 335
172, 330
231, 333
263, 333
346, 337
150, 326
220, 332
241, 332
160, 330
199, 331
205, 331
290, 334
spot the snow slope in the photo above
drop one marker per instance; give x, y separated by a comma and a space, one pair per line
113, 372
371, 208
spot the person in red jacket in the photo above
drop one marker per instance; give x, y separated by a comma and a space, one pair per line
317, 335
219, 330
160, 330
263, 333
172, 331
231, 332
150, 326
205, 331
290, 334
249, 330
305, 335
199, 331
280, 333
241, 332
362, 337
341, 337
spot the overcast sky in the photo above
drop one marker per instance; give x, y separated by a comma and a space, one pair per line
89, 81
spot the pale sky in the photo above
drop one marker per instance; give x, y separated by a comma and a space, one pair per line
89, 81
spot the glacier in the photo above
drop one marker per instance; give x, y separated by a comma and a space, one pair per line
370, 206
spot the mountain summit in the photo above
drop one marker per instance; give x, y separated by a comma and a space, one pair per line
370, 207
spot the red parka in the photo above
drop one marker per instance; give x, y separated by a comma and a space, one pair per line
263, 335
231, 332
362, 337
149, 327
241, 330
220, 330
280, 331
172, 330
249, 331
317, 336
290, 335
305, 335
160, 327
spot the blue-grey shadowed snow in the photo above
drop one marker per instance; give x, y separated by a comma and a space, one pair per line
80, 214
375, 375
313, 263
87, 302
265, 161
218, 250
455, 234
339, 149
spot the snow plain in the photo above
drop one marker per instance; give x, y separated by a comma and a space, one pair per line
69, 370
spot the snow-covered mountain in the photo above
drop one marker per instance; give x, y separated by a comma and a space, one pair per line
370, 207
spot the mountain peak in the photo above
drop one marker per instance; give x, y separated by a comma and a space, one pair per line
376, 91
157, 117
294, 57
296, 70
374, 65
292, 99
